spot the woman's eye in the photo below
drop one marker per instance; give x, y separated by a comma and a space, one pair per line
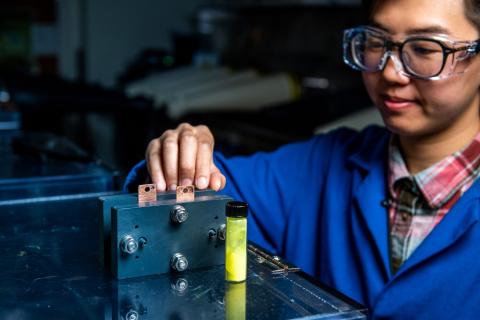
373, 45
424, 50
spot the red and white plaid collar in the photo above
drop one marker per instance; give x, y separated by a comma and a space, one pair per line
441, 181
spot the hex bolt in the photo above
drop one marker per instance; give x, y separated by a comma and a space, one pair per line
179, 262
129, 245
221, 232
132, 315
178, 214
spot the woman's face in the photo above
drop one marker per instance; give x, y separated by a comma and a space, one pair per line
423, 108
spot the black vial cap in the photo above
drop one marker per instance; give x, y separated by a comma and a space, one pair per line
236, 209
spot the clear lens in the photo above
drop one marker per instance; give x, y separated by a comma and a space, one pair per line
365, 50
369, 50
423, 58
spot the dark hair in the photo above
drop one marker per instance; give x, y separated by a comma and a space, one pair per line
472, 10
369, 7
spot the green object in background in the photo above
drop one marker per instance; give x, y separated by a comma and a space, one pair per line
168, 61
15, 43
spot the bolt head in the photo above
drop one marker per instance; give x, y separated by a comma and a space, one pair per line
182, 215
179, 262
132, 315
221, 232
178, 214
132, 246
129, 245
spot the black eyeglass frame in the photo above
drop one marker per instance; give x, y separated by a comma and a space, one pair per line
471, 47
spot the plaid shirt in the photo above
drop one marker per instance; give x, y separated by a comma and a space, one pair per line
418, 203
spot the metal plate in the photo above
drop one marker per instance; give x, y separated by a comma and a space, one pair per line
165, 238
185, 193
147, 193
105, 205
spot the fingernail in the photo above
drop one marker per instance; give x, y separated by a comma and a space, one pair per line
186, 182
172, 187
202, 182
160, 187
216, 185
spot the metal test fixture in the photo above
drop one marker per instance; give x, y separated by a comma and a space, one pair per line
163, 235
168, 257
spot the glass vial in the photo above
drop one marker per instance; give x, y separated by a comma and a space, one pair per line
236, 241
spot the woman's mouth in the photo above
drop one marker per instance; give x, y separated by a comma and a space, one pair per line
397, 103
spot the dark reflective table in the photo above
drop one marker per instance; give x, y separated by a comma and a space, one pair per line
49, 249
39, 165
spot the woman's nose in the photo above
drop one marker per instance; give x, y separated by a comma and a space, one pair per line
393, 70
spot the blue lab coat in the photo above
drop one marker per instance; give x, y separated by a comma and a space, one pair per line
318, 203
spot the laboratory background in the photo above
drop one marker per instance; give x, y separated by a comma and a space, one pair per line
86, 84
109, 76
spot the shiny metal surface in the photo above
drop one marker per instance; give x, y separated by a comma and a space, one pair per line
221, 232
178, 214
51, 270
129, 245
179, 262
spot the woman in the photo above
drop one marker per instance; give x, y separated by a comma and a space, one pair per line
388, 217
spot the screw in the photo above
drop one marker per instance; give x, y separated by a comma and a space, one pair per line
212, 233
129, 245
142, 242
221, 231
178, 214
179, 262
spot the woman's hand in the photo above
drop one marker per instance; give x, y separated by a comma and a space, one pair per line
184, 156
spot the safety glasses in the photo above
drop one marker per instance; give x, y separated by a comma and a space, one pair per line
423, 57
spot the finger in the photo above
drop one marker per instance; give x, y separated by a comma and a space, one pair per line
217, 179
204, 161
169, 152
154, 167
187, 156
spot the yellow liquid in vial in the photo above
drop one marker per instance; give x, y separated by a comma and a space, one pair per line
236, 249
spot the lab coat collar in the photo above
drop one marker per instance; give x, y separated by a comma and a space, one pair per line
453, 226
372, 190
366, 157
